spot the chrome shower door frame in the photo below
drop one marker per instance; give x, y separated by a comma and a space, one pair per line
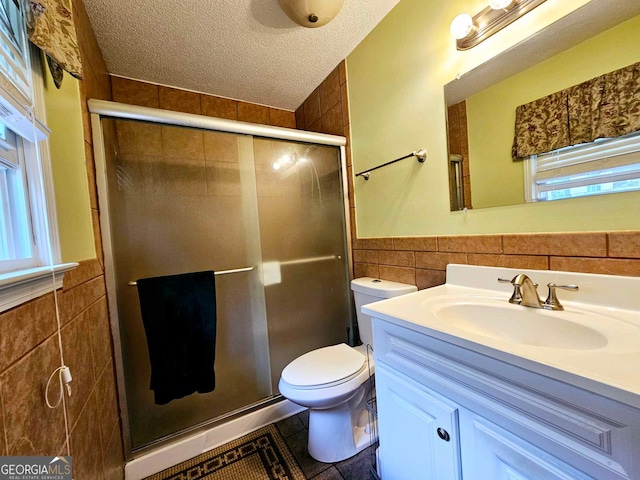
105, 109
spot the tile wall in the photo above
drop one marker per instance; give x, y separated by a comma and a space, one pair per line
211, 157
29, 344
422, 261
134, 92
326, 110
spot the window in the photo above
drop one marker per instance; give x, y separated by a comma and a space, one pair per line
600, 167
21, 195
28, 234
15, 229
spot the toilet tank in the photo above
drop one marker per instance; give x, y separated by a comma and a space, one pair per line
368, 290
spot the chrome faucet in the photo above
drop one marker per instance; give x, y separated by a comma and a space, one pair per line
525, 293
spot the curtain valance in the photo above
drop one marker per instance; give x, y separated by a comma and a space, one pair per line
51, 29
607, 106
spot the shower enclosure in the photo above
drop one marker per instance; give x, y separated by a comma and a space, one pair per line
264, 207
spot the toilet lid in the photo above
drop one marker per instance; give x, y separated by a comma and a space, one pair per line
324, 365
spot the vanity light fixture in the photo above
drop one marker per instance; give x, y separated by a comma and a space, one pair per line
501, 4
311, 13
492, 19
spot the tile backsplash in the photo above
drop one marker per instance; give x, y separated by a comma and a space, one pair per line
422, 261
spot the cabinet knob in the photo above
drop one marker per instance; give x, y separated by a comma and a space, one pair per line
443, 434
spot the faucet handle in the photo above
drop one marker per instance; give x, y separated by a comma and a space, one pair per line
517, 291
552, 302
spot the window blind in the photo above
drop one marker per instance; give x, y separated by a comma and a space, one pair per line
611, 164
13, 58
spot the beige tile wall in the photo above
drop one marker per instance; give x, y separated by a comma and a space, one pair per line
326, 110
197, 162
422, 261
29, 344
135, 92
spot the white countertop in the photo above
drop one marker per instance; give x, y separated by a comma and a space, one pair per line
607, 304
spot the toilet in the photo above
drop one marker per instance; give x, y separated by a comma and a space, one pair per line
332, 382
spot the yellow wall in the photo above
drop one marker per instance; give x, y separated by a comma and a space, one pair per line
396, 78
491, 135
66, 144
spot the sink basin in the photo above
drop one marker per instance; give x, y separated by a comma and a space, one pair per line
593, 344
514, 323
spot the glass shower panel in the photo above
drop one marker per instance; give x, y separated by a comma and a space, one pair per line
184, 200
303, 232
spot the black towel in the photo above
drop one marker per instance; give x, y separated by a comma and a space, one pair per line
179, 316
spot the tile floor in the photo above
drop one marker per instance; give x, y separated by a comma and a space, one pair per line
295, 430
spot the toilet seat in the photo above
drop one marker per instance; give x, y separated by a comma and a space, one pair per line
324, 367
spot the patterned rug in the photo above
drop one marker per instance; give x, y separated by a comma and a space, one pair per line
261, 455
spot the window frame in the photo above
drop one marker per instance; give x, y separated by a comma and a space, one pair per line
16, 211
25, 279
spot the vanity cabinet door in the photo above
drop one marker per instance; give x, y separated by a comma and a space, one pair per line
418, 430
489, 452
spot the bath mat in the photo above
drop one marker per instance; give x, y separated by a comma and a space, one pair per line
261, 455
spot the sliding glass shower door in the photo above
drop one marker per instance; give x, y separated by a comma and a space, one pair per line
183, 200
302, 231
271, 213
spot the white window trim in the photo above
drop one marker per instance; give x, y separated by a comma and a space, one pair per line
530, 185
23, 285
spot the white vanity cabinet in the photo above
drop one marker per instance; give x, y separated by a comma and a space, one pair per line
418, 418
502, 421
493, 453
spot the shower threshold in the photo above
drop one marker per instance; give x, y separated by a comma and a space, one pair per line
176, 448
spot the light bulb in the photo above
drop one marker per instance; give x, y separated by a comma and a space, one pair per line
276, 165
285, 159
500, 4
303, 160
462, 26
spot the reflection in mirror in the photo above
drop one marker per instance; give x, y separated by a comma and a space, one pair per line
459, 179
599, 38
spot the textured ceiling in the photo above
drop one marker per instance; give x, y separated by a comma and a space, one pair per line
243, 49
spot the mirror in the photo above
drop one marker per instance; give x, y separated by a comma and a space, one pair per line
598, 38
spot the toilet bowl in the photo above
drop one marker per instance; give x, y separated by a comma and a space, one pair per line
333, 382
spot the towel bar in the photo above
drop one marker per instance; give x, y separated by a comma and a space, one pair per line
421, 155
221, 272
311, 260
